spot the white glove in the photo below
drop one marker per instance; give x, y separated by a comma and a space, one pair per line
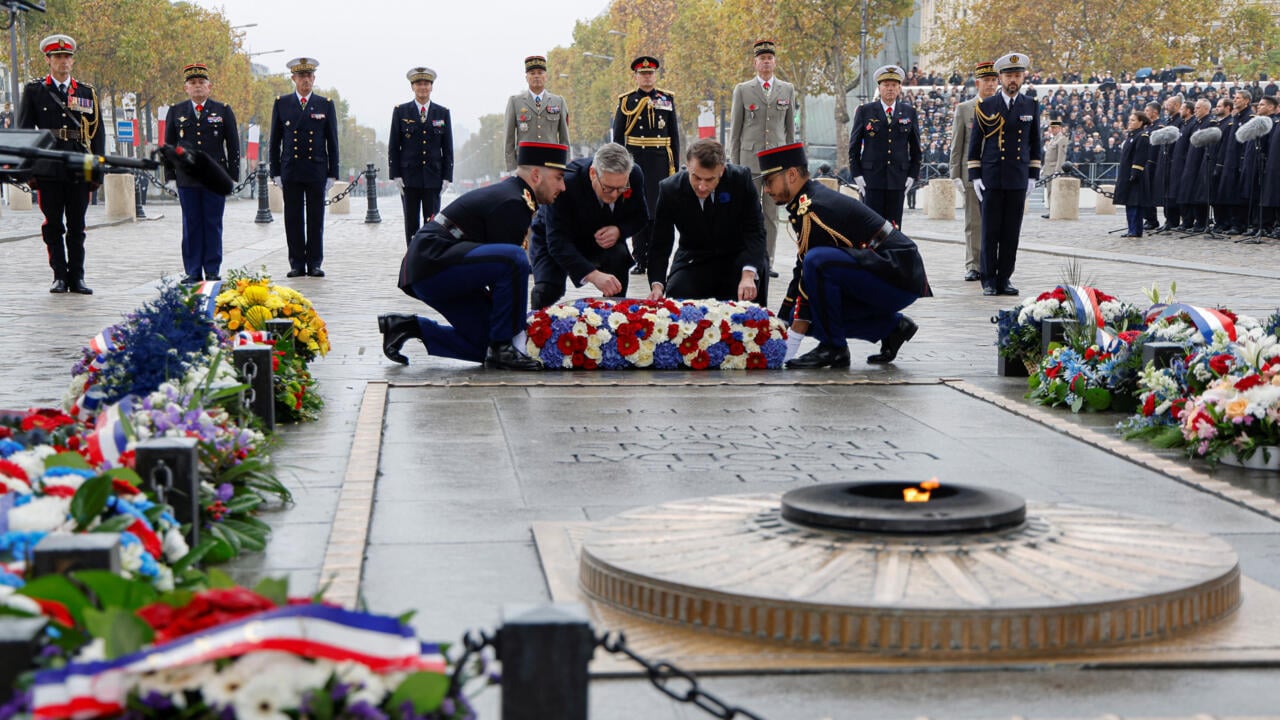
328, 184
910, 182
959, 185
1031, 186
861, 182
444, 186
275, 180
399, 184
979, 188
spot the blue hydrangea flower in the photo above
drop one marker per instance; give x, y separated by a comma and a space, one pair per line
667, 356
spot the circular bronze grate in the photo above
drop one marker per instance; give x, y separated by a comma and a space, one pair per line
1068, 578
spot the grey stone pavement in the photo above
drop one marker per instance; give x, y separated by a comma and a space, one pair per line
469, 459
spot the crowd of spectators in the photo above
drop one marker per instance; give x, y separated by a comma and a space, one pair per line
1093, 116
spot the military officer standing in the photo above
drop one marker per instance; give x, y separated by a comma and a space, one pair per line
1055, 153
763, 115
645, 123
69, 109
1004, 162
420, 150
986, 83
207, 125
304, 161
854, 273
469, 264
535, 115
884, 147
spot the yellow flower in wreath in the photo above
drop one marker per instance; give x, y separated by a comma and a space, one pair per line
258, 316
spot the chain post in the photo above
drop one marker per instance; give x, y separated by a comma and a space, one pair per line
169, 467
254, 365
371, 192
544, 652
61, 553
264, 204
139, 213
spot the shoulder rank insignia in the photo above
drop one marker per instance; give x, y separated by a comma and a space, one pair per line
802, 206
528, 200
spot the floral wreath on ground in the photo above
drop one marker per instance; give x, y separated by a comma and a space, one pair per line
1018, 328
661, 334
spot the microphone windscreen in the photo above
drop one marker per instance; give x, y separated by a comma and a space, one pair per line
1166, 135
1207, 136
201, 168
1258, 127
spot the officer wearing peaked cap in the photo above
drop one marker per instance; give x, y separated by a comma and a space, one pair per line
884, 147
854, 272
469, 263
535, 115
203, 124
646, 124
1004, 158
68, 108
420, 151
304, 162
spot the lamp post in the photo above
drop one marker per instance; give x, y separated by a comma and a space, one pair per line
598, 56
14, 7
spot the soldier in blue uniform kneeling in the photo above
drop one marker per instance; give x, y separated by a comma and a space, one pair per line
469, 263
854, 271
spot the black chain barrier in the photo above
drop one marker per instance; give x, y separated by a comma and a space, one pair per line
354, 184
18, 184
674, 682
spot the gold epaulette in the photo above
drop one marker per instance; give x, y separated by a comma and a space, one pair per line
668, 93
622, 95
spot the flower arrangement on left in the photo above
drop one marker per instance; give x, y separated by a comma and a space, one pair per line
224, 651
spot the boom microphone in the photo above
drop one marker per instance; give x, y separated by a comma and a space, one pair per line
1206, 137
198, 166
1258, 127
1166, 135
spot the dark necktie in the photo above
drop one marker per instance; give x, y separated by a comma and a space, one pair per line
62, 91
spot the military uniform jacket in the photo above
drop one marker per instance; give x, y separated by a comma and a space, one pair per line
304, 140
1215, 156
1005, 142
76, 124
730, 230
1193, 188
497, 213
646, 123
1165, 181
421, 151
761, 120
960, 125
214, 132
885, 152
1271, 181
1134, 176
1232, 185
1055, 153
1255, 159
569, 225
822, 217
528, 122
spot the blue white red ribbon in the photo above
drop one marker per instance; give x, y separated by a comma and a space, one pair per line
109, 438
254, 337
381, 643
1089, 314
1207, 320
210, 289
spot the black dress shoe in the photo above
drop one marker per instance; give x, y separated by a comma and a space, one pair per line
988, 290
1130, 235
504, 356
638, 269
295, 273
190, 280
315, 272
890, 346
396, 331
78, 287
773, 273
1198, 230
1008, 290
213, 278
836, 356
1150, 225
972, 275
59, 286
1045, 216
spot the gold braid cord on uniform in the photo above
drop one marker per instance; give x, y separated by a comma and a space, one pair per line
633, 115
989, 125
806, 225
88, 126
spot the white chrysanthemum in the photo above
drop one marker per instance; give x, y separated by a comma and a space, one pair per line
32, 461
644, 356
592, 319
175, 545
10, 599
593, 352
580, 328
43, 514
616, 320
264, 698
366, 685
734, 362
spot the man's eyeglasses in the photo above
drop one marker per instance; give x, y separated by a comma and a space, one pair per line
610, 189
